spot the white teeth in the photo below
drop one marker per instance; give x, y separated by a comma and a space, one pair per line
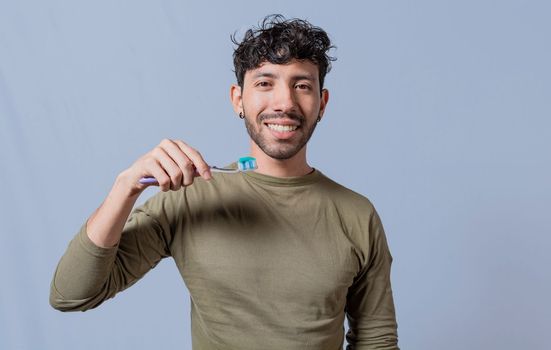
282, 128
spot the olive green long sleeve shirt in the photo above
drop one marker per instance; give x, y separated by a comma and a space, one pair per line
270, 263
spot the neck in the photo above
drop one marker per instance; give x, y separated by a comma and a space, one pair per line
294, 166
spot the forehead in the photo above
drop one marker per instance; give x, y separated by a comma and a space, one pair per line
301, 69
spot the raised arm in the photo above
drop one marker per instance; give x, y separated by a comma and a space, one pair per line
112, 250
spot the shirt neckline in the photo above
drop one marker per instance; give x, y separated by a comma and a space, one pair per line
309, 178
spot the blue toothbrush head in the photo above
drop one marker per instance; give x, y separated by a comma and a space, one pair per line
246, 164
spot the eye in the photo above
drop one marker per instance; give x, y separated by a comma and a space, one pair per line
263, 84
302, 86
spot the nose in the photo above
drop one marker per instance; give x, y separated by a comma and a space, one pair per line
283, 99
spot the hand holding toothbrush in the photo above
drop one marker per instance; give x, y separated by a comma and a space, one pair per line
171, 164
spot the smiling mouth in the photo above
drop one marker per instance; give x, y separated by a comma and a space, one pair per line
281, 127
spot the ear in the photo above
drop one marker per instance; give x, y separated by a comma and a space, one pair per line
323, 101
236, 99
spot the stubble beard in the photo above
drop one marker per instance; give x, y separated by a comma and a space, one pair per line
279, 149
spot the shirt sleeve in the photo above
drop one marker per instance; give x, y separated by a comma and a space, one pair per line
87, 275
370, 306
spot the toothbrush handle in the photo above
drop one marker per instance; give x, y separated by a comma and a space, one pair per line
147, 180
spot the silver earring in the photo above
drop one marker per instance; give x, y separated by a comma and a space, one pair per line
319, 118
241, 115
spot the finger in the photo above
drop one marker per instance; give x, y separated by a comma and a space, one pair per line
169, 166
189, 172
202, 167
187, 168
153, 168
180, 158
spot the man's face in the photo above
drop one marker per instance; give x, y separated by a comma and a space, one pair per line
281, 104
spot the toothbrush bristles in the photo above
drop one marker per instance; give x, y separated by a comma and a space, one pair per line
247, 164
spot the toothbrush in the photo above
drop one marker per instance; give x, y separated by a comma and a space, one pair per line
243, 164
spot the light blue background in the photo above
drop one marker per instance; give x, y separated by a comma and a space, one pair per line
439, 113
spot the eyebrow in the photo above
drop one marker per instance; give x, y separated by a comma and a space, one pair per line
304, 76
264, 75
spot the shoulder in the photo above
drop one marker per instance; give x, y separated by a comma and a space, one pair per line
345, 198
357, 215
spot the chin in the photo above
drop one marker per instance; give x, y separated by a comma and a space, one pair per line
281, 153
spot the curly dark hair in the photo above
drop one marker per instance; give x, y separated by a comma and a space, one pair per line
279, 40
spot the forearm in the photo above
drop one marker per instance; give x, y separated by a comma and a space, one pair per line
105, 225
373, 333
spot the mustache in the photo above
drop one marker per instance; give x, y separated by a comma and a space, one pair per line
294, 116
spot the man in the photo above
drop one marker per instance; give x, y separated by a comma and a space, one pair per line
273, 259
